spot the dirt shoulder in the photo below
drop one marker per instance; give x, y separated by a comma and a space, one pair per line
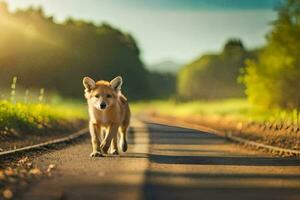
17, 139
277, 135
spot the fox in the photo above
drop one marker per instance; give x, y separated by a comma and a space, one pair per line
109, 114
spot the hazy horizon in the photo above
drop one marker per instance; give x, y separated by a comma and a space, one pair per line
175, 30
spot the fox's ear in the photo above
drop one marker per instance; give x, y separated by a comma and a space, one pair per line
88, 83
116, 83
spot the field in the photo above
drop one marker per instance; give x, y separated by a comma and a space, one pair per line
236, 116
238, 109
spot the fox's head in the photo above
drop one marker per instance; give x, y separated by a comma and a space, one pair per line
102, 94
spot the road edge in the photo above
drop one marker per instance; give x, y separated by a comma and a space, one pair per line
272, 149
44, 145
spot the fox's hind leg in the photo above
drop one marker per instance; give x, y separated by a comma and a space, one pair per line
123, 140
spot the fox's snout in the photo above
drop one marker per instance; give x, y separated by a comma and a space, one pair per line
103, 105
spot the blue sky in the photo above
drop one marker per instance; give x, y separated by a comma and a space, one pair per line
204, 4
179, 30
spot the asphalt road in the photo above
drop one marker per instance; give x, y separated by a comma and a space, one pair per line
165, 162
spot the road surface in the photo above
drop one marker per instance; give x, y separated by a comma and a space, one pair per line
165, 162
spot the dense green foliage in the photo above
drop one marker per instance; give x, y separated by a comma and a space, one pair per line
214, 76
43, 53
273, 80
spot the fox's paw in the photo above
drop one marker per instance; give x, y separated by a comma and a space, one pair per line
96, 154
124, 146
114, 152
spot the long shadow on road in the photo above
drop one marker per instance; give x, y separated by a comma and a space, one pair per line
223, 160
188, 164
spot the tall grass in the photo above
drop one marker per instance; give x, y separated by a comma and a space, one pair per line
34, 116
13, 89
22, 113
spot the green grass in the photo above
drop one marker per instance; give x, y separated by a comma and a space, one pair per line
33, 109
239, 109
35, 116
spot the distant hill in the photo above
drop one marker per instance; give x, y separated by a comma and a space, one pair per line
166, 66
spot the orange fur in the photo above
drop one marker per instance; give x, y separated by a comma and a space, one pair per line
115, 116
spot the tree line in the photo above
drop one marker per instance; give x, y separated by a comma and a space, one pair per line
56, 56
269, 76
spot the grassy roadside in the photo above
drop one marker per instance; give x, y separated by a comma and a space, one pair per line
23, 124
237, 116
32, 117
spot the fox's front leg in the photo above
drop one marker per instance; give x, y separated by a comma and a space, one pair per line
114, 146
94, 132
112, 133
103, 132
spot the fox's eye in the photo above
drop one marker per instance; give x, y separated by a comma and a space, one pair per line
97, 95
108, 96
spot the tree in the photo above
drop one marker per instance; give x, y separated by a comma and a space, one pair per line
273, 80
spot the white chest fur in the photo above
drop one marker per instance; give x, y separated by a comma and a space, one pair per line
98, 116
103, 118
